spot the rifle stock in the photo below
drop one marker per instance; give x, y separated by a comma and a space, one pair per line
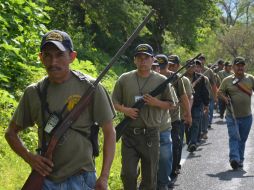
35, 180
139, 104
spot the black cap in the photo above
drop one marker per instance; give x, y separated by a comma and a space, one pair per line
201, 57
197, 62
190, 63
162, 59
59, 38
239, 60
144, 49
227, 64
220, 62
155, 62
174, 59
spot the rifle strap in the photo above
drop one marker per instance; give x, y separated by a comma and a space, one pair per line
243, 88
42, 93
41, 88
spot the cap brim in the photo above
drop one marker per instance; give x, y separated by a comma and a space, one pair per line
143, 53
171, 63
58, 44
240, 63
155, 64
162, 64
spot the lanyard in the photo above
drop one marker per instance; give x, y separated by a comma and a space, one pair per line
141, 88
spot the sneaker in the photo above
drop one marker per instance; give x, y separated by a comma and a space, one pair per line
240, 164
209, 126
204, 136
172, 183
192, 148
221, 116
234, 164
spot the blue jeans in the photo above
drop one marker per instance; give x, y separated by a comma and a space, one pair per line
194, 130
236, 145
165, 159
83, 181
211, 108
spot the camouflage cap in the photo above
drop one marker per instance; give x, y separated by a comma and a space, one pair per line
174, 59
239, 60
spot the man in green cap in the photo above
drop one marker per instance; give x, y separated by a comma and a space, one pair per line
49, 101
236, 91
223, 74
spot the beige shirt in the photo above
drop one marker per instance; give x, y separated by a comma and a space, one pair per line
211, 80
179, 91
189, 91
74, 150
129, 87
241, 101
223, 74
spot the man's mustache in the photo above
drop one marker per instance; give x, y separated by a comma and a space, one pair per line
53, 68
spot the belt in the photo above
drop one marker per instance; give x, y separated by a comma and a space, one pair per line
80, 172
141, 131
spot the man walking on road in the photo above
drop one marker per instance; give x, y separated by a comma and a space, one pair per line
200, 104
223, 74
236, 91
141, 139
72, 165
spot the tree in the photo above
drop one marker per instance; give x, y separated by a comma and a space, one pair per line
20, 39
183, 19
236, 10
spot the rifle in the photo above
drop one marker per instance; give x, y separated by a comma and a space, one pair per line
35, 180
232, 113
120, 128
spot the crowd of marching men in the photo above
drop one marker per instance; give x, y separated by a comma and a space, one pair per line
173, 107
183, 132
188, 118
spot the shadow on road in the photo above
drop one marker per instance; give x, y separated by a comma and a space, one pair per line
220, 122
230, 174
205, 144
193, 155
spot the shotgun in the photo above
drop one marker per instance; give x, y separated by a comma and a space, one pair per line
35, 180
232, 113
139, 104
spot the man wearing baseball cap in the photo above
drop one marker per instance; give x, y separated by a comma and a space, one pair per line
140, 140
236, 91
46, 103
185, 120
223, 74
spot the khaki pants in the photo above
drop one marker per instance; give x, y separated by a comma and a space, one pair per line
144, 146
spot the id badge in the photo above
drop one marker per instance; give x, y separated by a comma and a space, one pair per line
137, 98
51, 123
235, 81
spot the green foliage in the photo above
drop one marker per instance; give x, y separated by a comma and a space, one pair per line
20, 40
10, 164
14, 170
7, 105
183, 19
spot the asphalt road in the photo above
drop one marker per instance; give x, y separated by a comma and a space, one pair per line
208, 168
